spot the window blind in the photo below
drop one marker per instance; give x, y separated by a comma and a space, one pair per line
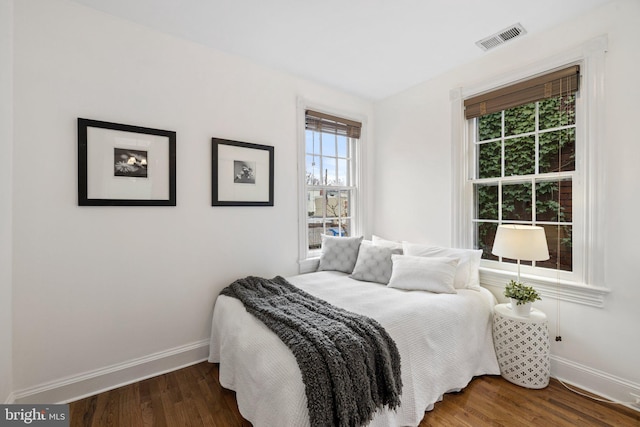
556, 83
321, 122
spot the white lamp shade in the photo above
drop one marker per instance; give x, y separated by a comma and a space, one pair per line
521, 242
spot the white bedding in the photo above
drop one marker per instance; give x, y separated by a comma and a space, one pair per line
444, 341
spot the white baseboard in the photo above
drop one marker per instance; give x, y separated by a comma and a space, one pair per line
79, 386
90, 383
595, 381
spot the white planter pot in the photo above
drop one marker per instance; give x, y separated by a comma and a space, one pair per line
522, 310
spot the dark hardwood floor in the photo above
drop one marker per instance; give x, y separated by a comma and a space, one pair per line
193, 397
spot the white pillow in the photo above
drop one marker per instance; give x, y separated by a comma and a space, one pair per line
396, 247
373, 264
432, 274
339, 253
467, 275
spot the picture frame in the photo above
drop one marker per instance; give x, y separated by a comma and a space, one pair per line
125, 165
241, 173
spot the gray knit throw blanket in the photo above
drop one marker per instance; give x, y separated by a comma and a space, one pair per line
350, 365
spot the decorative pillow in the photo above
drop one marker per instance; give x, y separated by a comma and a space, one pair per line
396, 247
373, 264
432, 274
339, 253
467, 274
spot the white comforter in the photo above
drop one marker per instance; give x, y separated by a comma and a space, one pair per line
444, 341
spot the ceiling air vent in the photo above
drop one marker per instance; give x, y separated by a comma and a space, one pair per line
501, 37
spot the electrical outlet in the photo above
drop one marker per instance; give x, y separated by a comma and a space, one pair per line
637, 398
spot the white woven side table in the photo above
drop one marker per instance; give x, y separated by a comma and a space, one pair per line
522, 346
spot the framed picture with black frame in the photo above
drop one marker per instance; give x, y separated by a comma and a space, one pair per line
125, 165
242, 173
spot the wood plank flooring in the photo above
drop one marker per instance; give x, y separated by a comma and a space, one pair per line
193, 397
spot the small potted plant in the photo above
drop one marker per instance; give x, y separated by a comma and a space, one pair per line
521, 297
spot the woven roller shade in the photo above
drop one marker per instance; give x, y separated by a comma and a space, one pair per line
322, 122
561, 82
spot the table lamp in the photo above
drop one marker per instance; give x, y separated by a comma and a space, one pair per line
521, 242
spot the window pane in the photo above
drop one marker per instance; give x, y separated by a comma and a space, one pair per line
343, 146
554, 201
490, 126
520, 156
558, 151
343, 177
345, 226
328, 144
313, 170
316, 230
314, 203
338, 228
485, 235
556, 112
312, 142
486, 201
345, 200
328, 204
519, 120
516, 202
329, 171
559, 240
337, 204
489, 160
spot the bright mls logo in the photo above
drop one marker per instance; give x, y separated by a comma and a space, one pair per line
37, 415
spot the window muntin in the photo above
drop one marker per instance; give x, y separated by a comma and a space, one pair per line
524, 170
330, 181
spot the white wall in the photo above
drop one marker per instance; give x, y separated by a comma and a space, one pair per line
98, 287
6, 125
600, 346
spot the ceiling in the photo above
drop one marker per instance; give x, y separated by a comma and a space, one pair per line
371, 48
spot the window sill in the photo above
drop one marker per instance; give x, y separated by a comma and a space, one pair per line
308, 265
578, 293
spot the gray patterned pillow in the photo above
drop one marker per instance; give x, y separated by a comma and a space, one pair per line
339, 253
373, 264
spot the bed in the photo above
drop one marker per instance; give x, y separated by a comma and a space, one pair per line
444, 340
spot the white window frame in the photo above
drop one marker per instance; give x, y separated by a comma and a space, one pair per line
308, 259
585, 285
532, 179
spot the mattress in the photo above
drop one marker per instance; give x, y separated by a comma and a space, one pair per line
444, 341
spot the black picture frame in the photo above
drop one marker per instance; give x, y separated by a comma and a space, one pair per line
147, 177
241, 173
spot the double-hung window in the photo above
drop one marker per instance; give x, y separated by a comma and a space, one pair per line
524, 142
330, 178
